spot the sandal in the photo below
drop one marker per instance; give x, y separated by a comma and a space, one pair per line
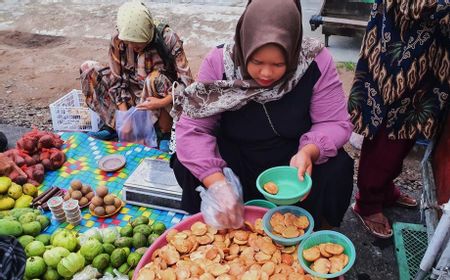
405, 200
364, 221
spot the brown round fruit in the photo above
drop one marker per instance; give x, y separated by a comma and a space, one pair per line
92, 207
83, 201
97, 201
76, 195
101, 191
117, 202
76, 185
110, 209
85, 190
99, 211
70, 190
67, 196
109, 199
89, 195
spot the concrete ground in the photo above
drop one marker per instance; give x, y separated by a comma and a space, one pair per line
202, 25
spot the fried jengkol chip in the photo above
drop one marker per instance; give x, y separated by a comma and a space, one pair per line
271, 187
326, 257
288, 225
203, 253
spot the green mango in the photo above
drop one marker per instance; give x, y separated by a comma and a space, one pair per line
32, 228
118, 257
101, 262
144, 229
15, 191
10, 227
5, 183
139, 221
24, 240
126, 231
139, 240
123, 242
108, 248
27, 217
24, 201
6, 203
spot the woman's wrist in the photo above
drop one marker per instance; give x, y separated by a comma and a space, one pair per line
312, 151
213, 178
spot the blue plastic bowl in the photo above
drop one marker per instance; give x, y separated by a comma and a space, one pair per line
290, 189
298, 211
324, 236
261, 203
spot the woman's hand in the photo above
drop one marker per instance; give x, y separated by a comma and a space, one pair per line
150, 103
304, 160
221, 204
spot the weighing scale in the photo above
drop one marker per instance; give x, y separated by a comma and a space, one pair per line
153, 184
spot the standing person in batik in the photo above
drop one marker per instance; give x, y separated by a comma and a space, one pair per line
400, 93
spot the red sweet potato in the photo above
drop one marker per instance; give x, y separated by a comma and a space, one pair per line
31, 181
45, 154
57, 158
20, 179
28, 160
46, 141
5, 165
38, 173
36, 158
47, 164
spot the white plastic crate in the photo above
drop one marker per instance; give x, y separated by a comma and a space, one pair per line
70, 113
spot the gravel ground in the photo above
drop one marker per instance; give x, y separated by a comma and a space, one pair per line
26, 114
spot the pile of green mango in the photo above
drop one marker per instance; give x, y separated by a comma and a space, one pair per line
13, 195
107, 252
23, 221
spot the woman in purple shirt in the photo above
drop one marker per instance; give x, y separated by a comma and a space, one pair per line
271, 98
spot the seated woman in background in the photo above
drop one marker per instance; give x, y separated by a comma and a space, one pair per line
272, 98
144, 62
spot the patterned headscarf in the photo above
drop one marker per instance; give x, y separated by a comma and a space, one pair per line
263, 22
135, 23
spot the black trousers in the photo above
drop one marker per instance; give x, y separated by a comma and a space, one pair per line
332, 186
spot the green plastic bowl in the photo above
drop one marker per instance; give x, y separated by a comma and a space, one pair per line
290, 189
261, 203
298, 211
325, 236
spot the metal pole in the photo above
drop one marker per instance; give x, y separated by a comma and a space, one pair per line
443, 266
437, 242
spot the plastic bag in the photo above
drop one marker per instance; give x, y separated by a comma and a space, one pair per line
105, 235
136, 126
118, 276
222, 205
89, 272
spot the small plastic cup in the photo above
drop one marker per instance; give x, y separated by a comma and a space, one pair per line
71, 206
55, 203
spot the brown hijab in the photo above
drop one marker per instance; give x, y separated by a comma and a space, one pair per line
263, 22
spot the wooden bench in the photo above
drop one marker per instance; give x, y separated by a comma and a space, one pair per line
342, 17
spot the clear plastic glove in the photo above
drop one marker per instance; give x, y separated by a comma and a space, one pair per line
222, 205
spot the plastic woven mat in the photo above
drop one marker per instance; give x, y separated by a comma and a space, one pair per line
411, 242
82, 153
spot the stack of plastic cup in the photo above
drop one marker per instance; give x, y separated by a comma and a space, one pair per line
72, 211
56, 207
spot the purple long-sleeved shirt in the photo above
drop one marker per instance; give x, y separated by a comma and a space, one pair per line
331, 127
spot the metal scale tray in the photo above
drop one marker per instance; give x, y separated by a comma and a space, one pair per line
153, 184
